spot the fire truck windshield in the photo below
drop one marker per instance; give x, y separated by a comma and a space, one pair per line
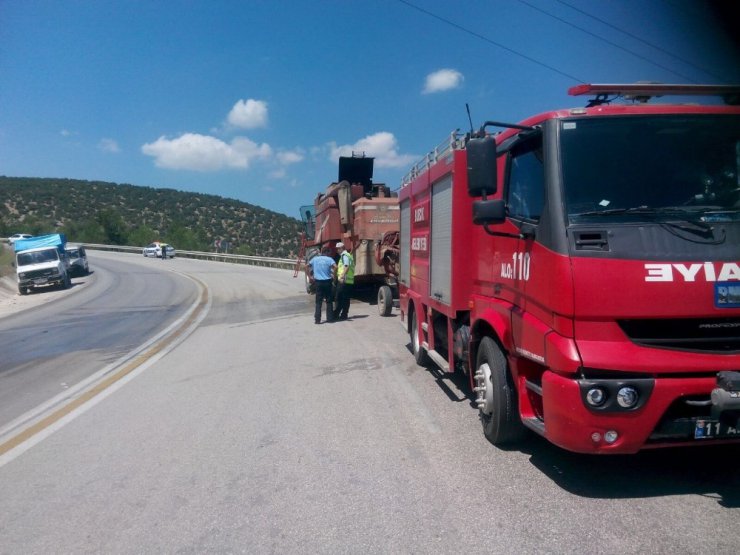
643, 168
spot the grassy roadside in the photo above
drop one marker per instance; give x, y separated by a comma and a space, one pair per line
6, 257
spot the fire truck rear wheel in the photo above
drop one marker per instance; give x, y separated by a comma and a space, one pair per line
420, 354
496, 396
385, 300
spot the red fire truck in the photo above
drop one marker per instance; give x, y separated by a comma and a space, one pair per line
582, 268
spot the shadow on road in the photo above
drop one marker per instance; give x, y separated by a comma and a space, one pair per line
711, 471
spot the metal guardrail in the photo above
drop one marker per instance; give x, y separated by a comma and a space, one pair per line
284, 263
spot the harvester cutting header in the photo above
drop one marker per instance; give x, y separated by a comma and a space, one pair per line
365, 217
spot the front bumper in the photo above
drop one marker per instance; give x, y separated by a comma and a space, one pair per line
675, 413
41, 281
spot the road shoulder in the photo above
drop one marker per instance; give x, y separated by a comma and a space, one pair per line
11, 302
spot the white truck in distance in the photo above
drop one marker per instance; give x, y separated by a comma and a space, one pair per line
41, 261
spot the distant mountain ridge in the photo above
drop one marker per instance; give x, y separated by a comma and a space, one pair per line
122, 214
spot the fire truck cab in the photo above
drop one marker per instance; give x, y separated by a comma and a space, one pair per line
582, 268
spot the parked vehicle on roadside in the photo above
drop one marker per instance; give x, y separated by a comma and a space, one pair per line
364, 216
581, 269
13, 238
77, 256
155, 250
41, 261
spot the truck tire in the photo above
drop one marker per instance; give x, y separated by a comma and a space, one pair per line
22, 290
496, 396
385, 300
420, 354
67, 283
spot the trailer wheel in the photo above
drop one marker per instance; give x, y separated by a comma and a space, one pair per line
385, 300
496, 396
420, 354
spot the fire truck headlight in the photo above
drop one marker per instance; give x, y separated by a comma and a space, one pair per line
627, 397
596, 396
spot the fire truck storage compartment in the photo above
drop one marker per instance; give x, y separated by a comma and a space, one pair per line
405, 260
435, 252
441, 240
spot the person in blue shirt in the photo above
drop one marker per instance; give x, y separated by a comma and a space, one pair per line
322, 271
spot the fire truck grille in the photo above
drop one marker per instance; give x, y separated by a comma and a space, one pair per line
721, 335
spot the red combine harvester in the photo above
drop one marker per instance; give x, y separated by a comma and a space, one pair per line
582, 269
364, 216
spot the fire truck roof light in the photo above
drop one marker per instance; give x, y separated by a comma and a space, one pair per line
657, 89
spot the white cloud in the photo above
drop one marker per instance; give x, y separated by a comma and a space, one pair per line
205, 153
443, 80
287, 157
382, 146
283, 159
109, 145
248, 114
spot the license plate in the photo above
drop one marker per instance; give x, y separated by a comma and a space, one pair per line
40, 281
727, 294
714, 429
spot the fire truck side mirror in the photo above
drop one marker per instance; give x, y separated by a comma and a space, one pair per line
481, 156
487, 212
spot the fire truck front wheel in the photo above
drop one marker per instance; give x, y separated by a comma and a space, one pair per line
496, 396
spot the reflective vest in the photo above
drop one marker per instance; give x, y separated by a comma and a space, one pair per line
348, 270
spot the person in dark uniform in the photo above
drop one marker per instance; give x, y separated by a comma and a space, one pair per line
322, 271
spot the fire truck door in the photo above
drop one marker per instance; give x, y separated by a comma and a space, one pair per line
525, 193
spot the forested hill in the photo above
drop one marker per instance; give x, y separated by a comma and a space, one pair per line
109, 213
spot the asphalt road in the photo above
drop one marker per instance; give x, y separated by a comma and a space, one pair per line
257, 431
69, 335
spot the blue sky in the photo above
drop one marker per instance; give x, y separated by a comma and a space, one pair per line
255, 100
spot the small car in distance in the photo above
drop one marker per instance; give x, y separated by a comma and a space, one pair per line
13, 238
155, 250
77, 256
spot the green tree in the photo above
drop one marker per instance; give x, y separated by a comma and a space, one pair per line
141, 236
85, 231
183, 238
113, 226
